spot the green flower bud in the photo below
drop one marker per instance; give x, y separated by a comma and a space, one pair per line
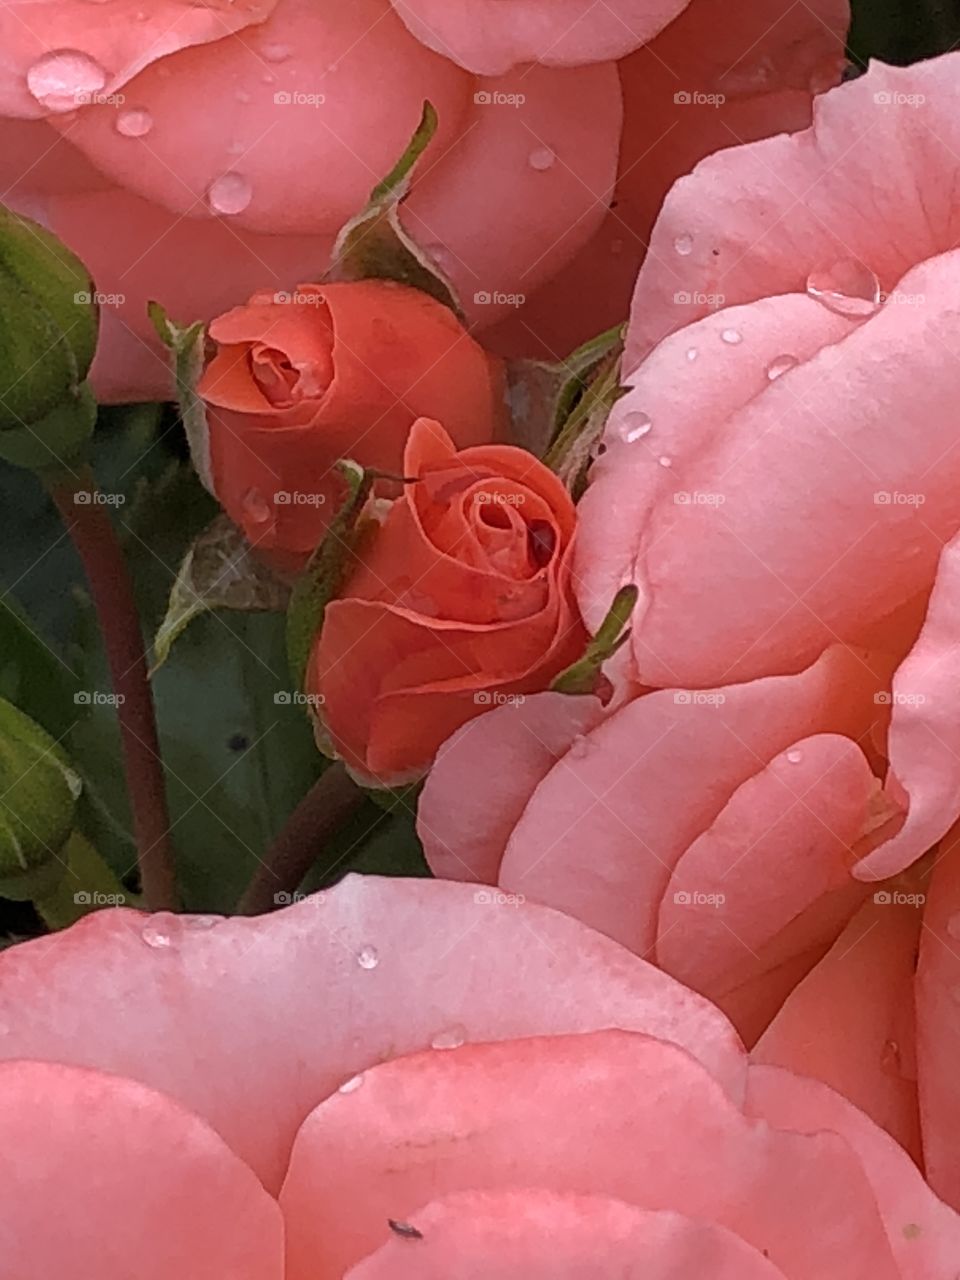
48, 336
38, 798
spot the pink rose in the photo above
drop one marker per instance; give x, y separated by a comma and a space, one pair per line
215, 150
343, 1090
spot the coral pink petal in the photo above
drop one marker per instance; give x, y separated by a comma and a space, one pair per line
864, 501
770, 879
924, 1233
287, 137
938, 1027
643, 785
36, 161
531, 1234
924, 734
465, 815
489, 37
324, 987
609, 1114
865, 1049
55, 55
102, 1177
761, 218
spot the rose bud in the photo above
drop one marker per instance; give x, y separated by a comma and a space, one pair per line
300, 380
48, 335
460, 601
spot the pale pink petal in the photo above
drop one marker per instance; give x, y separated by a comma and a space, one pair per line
603, 832
938, 1027
490, 37
55, 53
770, 879
104, 1178
762, 217
609, 1114
281, 1010
465, 815
924, 735
825, 500
924, 1233
532, 1234
850, 1022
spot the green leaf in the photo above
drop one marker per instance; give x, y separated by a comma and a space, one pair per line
572, 450
585, 676
218, 572
188, 347
324, 575
374, 244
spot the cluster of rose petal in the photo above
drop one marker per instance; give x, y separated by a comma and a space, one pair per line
751, 842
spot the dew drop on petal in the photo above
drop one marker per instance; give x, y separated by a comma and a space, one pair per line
693, 354
230, 193
134, 123
845, 286
794, 757
200, 924
634, 427
733, 337
255, 507
242, 96
665, 461
275, 52
579, 747
159, 931
451, 1038
783, 364
62, 79
683, 245
542, 158
351, 1085
890, 1058
368, 958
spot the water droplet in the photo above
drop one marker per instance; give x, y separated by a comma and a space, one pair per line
794, 757
64, 79
846, 286
160, 930
890, 1058
255, 507
634, 427
579, 747
275, 52
683, 245
230, 193
452, 1038
665, 461
268, 78
747, 78
783, 364
732, 336
351, 1085
368, 958
692, 354
134, 123
242, 96
542, 158
200, 924
74, 782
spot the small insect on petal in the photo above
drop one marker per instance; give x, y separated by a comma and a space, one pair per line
405, 1230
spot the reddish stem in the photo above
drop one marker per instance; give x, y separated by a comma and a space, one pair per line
96, 542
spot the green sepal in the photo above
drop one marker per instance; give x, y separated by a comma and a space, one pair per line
586, 675
187, 345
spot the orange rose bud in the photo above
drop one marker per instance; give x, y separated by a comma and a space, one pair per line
460, 601
302, 379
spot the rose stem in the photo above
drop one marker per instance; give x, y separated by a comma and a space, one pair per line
96, 543
332, 799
